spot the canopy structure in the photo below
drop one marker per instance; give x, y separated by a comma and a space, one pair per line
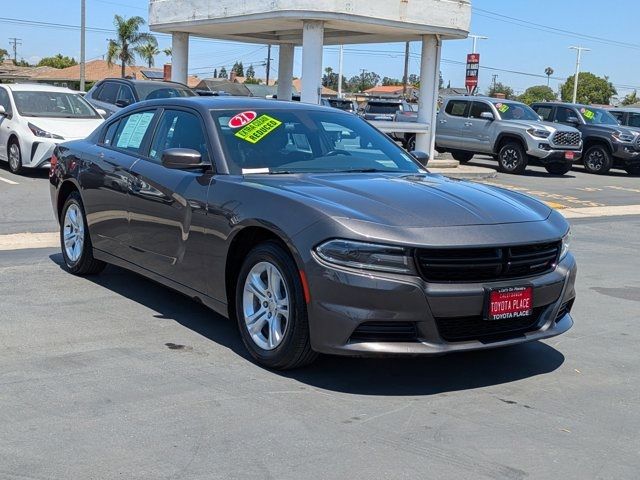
313, 24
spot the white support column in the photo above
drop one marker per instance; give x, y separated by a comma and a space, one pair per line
312, 43
285, 71
429, 89
180, 57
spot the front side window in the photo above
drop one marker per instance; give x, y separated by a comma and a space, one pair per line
478, 108
131, 132
5, 101
563, 114
302, 141
109, 92
125, 95
53, 105
634, 119
545, 112
619, 116
179, 129
457, 108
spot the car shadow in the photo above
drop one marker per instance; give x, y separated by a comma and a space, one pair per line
528, 173
363, 376
27, 172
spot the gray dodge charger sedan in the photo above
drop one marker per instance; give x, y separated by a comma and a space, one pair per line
312, 230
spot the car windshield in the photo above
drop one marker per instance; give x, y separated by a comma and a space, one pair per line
342, 105
53, 104
384, 108
597, 116
515, 111
151, 91
303, 141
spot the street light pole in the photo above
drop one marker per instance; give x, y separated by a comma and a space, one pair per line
340, 68
575, 79
83, 28
475, 41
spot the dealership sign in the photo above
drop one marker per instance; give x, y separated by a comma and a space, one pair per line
473, 67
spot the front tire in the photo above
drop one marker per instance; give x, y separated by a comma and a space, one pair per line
271, 310
14, 156
598, 160
75, 241
512, 158
558, 168
462, 157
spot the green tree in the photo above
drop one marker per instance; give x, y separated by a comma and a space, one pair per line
57, 61
538, 93
223, 73
168, 52
22, 63
630, 99
330, 79
388, 82
128, 39
591, 89
238, 68
364, 81
499, 87
414, 80
148, 52
3, 54
251, 76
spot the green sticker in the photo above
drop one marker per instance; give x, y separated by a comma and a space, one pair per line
502, 107
258, 129
589, 114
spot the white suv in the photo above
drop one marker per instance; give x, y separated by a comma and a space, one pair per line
34, 118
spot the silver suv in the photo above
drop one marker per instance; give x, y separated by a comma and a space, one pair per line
509, 131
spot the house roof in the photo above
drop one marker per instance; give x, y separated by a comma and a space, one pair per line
297, 85
387, 89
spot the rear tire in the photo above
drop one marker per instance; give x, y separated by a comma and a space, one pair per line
410, 143
597, 160
512, 158
633, 169
271, 309
75, 241
558, 168
462, 157
14, 155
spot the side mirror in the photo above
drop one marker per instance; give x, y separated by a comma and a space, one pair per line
101, 112
181, 158
573, 120
122, 103
487, 115
541, 118
421, 157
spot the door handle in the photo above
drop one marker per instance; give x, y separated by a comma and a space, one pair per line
443, 121
468, 124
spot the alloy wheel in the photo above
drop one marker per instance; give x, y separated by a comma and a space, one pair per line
14, 157
73, 233
510, 158
266, 305
595, 160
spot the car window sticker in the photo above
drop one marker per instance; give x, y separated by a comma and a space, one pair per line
588, 114
134, 130
502, 107
242, 119
258, 129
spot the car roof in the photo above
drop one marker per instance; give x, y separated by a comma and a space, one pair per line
134, 81
232, 103
625, 109
481, 97
564, 104
36, 87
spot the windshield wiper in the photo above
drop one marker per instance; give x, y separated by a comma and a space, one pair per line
362, 170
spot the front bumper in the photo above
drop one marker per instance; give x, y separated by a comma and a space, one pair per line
37, 154
547, 153
343, 300
627, 152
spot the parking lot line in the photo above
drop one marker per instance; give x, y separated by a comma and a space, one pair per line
23, 241
10, 182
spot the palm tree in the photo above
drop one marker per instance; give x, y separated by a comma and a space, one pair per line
548, 72
129, 40
168, 52
148, 51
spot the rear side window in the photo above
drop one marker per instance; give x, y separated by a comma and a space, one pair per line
109, 92
110, 134
478, 108
633, 120
132, 131
457, 108
545, 112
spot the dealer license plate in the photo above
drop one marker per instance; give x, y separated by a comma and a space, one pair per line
509, 303
569, 155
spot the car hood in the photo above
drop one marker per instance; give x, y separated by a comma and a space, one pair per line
404, 200
69, 128
535, 124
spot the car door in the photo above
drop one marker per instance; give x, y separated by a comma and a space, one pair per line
451, 124
477, 130
168, 206
107, 181
5, 122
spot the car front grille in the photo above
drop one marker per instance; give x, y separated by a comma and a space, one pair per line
486, 264
567, 139
385, 332
461, 329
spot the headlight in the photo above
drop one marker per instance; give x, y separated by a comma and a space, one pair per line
367, 256
624, 137
539, 132
566, 244
38, 132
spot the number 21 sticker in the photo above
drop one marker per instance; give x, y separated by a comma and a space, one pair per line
242, 119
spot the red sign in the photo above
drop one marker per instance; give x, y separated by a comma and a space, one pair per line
473, 68
510, 303
242, 119
569, 155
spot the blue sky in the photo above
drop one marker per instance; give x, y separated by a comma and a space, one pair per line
512, 45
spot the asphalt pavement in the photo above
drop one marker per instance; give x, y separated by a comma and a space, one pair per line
116, 377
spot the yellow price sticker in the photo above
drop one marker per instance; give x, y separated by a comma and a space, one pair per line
258, 129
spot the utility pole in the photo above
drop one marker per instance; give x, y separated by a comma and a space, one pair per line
495, 78
340, 67
362, 80
268, 64
475, 41
15, 43
575, 79
405, 77
83, 30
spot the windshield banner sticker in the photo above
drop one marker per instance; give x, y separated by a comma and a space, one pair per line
502, 108
588, 114
258, 129
242, 119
